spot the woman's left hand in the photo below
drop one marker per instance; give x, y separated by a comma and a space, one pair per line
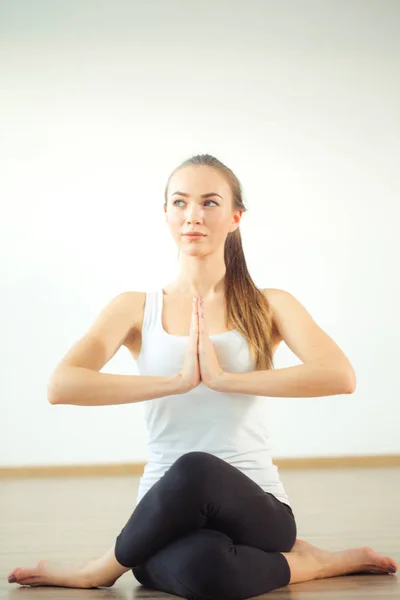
210, 369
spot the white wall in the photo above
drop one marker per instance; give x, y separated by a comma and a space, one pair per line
101, 100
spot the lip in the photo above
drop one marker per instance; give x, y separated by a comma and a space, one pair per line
194, 234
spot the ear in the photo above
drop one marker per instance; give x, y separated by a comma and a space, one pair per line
236, 219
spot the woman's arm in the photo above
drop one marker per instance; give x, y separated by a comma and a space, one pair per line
309, 380
84, 387
325, 371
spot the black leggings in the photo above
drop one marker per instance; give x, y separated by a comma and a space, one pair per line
206, 531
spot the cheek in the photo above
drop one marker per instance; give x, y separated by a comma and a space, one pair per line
219, 224
173, 220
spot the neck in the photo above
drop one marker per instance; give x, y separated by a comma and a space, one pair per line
189, 286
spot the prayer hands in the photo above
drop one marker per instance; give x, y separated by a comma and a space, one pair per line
201, 362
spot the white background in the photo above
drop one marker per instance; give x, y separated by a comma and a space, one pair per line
100, 101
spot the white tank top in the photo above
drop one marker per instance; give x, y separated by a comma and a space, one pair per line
232, 426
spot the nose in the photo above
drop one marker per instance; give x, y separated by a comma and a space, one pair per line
193, 214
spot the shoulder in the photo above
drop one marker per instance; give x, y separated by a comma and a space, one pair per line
134, 300
271, 292
276, 296
129, 303
286, 309
131, 296
284, 305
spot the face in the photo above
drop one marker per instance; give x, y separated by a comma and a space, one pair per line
211, 215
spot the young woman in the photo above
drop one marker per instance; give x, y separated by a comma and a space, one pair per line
212, 518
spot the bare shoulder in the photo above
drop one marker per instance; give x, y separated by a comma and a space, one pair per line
134, 297
282, 304
276, 298
135, 300
288, 313
273, 295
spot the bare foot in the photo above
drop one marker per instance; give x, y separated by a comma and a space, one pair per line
50, 573
101, 571
344, 562
105, 570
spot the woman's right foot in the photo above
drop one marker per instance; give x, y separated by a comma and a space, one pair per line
309, 562
101, 571
50, 573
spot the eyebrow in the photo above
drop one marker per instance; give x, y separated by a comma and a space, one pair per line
203, 195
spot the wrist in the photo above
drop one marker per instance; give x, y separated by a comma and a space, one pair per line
177, 384
220, 381
174, 383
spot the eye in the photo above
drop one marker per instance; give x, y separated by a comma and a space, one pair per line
205, 201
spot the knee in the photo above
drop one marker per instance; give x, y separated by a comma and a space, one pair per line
210, 576
193, 459
209, 583
291, 531
192, 465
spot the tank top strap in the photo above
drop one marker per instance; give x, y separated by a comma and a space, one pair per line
152, 311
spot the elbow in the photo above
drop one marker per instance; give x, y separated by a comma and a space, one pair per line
351, 389
343, 377
346, 375
52, 396
351, 382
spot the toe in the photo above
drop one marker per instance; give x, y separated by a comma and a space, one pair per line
389, 563
31, 581
12, 574
24, 573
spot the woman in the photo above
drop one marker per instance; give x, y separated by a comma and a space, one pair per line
212, 518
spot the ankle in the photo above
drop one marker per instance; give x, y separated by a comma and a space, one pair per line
303, 567
86, 579
103, 571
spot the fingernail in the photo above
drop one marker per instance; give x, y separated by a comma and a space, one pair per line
12, 579
392, 570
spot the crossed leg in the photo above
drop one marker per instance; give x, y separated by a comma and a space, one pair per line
161, 518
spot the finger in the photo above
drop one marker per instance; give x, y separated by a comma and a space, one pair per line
201, 317
194, 325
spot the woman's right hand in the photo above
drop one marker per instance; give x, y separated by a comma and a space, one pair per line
190, 374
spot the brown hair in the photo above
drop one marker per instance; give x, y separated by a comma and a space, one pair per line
247, 308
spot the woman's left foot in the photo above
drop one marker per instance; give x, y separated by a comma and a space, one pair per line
352, 560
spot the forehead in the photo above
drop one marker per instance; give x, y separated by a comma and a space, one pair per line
198, 180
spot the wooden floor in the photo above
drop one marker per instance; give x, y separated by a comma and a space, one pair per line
74, 519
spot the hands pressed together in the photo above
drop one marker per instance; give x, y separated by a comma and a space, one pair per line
200, 362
